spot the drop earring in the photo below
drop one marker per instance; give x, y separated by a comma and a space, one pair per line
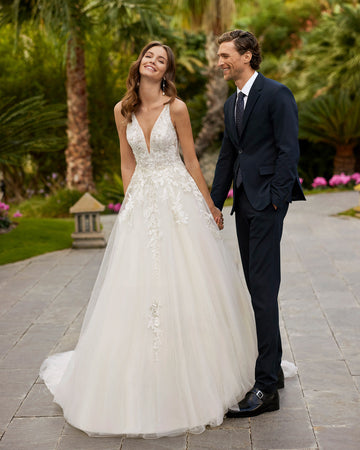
163, 85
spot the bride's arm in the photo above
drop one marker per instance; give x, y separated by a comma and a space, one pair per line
128, 162
181, 119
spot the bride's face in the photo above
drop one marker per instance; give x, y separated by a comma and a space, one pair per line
154, 63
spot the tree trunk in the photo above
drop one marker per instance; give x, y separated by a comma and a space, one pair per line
216, 93
344, 161
78, 153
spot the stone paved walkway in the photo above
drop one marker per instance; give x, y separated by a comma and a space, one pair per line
42, 305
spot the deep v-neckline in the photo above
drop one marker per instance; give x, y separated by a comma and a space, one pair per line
148, 148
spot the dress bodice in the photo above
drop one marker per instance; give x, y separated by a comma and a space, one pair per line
164, 144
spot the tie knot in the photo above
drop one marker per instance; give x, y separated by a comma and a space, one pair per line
241, 95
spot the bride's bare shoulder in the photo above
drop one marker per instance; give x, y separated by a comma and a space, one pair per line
117, 107
119, 118
178, 108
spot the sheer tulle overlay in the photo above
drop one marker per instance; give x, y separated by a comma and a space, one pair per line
168, 342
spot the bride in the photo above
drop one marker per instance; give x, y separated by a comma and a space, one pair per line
168, 342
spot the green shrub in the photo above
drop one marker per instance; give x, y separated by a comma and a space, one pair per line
56, 205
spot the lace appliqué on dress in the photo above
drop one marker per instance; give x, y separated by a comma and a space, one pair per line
154, 325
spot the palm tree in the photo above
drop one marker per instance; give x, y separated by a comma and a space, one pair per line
333, 119
213, 17
73, 20
328, 56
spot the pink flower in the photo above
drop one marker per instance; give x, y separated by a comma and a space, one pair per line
319, 181
230, 193
117, 207
301, 180
336, 179
111, 206
356, 177
17, 214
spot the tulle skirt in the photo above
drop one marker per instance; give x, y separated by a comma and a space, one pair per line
168, 342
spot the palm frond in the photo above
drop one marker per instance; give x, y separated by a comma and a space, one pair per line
332, 118
29, 125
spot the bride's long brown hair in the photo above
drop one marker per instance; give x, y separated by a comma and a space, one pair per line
131, 101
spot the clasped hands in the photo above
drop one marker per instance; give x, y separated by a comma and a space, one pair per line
218, 217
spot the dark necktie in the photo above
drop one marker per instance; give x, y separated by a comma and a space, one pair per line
239, 114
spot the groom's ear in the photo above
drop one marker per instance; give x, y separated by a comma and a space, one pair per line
247, 57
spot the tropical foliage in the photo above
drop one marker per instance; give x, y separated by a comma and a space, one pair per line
334, 119
62, 58
28, 126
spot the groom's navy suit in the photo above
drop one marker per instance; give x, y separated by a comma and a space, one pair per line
261, 161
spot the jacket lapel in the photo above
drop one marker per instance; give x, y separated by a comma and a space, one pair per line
254, 95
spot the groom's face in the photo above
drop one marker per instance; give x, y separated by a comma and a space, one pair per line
231, 62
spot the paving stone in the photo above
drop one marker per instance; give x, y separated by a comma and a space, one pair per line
352, 357
10, 270
83, 441
345, 319
68, 342
234, 424
30, 350
288, 428
27, 309
315, 349
13, 327
324, 375
220, 439
15, 382
165, 443
8, 299
41, 433
304, 319
8, 407
342, 437
39, 403
60, 312
333, 408
292, 396
332, 299
356, 380
18, 285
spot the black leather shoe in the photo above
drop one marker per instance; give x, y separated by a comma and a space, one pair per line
255, 402
281, 381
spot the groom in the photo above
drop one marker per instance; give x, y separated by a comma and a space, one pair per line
259, 154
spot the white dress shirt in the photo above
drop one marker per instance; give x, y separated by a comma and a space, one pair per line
246, 89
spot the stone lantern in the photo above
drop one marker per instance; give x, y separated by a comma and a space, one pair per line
87, 223
357, 208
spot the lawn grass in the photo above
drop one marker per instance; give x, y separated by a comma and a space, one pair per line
35, 236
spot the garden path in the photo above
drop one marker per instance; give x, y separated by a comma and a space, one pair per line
42, 304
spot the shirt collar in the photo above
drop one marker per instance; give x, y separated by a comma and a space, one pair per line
248, 85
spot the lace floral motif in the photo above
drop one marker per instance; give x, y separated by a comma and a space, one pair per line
154, 325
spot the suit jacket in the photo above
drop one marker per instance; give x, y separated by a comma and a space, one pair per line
266, 151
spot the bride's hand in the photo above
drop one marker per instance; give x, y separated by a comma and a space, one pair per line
218, 217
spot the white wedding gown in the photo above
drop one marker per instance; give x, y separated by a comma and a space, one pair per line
168, 342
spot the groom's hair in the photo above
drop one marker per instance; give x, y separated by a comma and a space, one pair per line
244, 41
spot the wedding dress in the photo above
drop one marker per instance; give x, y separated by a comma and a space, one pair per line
168, 341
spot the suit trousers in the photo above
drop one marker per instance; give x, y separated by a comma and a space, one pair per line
259, 235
